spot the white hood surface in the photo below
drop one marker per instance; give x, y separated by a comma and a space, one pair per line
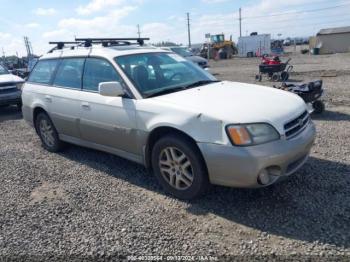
236, 103
9, 78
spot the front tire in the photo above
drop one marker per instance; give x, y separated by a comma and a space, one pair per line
179, 167
48, 133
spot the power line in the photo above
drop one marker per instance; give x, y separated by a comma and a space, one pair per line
312, 24
303, 18
297, 12
295, 19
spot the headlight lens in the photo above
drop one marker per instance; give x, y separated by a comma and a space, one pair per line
252, 134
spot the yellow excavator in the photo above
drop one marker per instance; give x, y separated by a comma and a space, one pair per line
219, 48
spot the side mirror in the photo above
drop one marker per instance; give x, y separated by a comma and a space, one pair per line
113, 89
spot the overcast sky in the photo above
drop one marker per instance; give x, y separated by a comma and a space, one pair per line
45, 20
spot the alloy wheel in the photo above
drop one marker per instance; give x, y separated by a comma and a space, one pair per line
176, 168
47, 133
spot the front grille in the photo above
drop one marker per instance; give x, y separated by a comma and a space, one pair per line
7, 84
295, 126
8, 91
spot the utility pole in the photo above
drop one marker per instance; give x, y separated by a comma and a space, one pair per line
240, 22
3, 57
189, 30
138, 31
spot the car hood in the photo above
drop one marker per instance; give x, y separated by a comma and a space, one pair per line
235, 103
8, 78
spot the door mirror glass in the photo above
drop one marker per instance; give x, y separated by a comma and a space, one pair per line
113, 89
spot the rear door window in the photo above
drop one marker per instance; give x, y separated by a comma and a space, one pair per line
97, 71
69, 73
43, 71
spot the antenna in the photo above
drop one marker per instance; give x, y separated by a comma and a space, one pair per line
138, 31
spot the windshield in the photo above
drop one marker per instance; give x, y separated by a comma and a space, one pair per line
3, 71
182, 51
157, 73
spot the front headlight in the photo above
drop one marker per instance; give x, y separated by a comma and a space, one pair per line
252, 134
19, 86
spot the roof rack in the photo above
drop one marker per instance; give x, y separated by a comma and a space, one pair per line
112, 41
88, 42
62, 44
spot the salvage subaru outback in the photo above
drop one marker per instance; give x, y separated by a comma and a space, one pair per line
156, 108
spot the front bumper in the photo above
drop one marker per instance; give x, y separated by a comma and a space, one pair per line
10, 98
240, 166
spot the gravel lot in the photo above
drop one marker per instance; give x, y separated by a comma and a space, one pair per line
84, 204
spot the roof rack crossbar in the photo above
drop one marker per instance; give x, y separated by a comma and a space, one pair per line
111, 39
61, 44
105, 41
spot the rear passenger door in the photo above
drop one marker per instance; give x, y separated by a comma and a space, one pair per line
107, 121
39, 83
65, 96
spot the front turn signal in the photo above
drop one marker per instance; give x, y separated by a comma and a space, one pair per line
239, 135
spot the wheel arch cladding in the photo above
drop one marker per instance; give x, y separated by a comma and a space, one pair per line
36, 112
162, 131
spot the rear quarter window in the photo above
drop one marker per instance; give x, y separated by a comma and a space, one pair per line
43, 71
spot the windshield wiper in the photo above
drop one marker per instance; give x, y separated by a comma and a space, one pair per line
165, 91
181, 88
201, 83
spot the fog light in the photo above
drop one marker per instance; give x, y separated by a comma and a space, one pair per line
264, 177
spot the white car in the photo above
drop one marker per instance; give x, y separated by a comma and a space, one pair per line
156, 108
10, 88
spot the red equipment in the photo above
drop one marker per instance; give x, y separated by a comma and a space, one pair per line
274, 68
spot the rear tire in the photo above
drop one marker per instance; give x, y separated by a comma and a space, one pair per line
179, 167
48, 133
275, 77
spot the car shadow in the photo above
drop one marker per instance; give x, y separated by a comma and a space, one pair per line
331, 116
9, 113
312, 205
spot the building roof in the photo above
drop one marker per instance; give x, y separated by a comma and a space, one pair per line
337, 30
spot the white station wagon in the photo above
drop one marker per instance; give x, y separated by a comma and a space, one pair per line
155, 108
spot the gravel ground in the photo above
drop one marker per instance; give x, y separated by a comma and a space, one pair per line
84, 204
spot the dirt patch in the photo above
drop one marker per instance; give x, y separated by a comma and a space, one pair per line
48, 192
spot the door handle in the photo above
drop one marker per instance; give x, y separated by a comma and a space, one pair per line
48, 99
85, 105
